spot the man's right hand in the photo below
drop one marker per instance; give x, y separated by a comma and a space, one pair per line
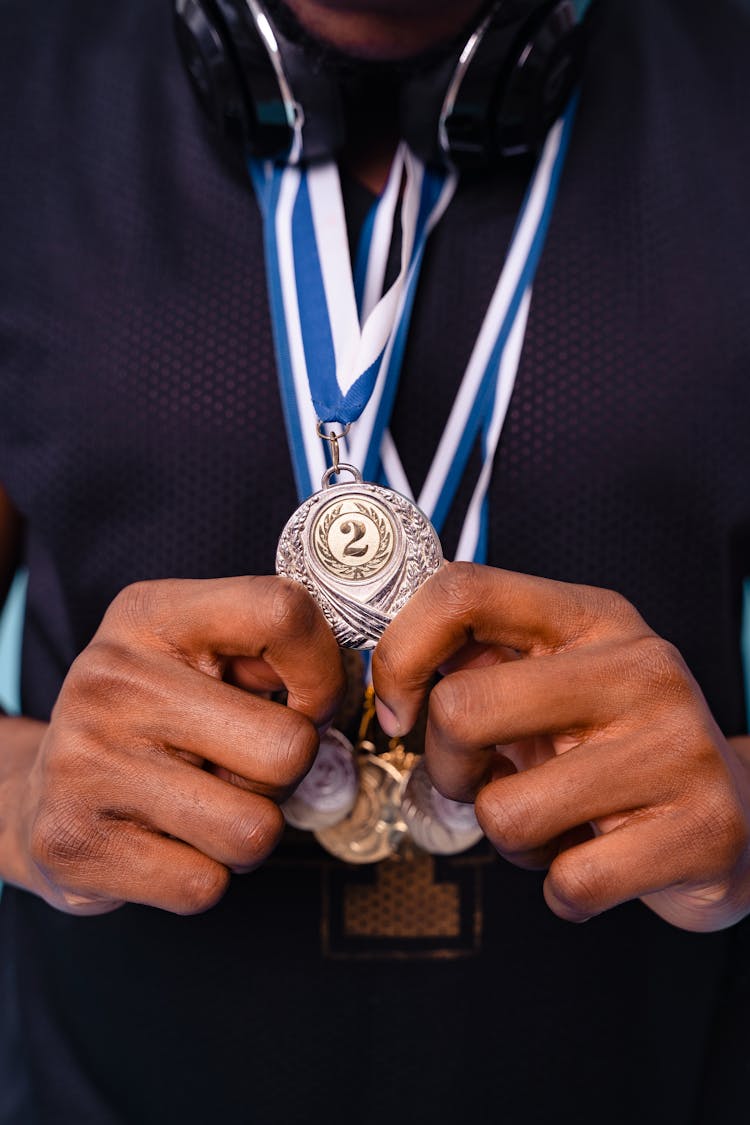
164, 763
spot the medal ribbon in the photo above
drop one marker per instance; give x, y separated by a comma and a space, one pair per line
341, 341
330, 357
485, 392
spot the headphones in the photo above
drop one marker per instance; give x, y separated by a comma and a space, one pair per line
495, 96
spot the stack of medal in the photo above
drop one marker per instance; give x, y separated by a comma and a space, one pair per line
361, 551
376, 801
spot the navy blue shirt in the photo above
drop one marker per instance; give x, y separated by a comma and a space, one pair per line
141, 437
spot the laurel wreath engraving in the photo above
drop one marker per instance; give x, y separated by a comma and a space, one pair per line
361, 571
358, 620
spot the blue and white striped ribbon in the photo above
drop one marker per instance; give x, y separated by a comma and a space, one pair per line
330, 357
485, 392
340, 339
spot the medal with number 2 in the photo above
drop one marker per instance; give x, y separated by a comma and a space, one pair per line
360, 550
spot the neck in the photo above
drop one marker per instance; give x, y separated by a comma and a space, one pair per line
370, 164
372, 136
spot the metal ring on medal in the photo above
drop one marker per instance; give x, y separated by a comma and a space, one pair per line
361, 551
328, 792
374, 828
436, 824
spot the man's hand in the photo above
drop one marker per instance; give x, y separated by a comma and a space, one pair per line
583, 737
158, 775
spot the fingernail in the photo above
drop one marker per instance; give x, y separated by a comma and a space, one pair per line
389, 722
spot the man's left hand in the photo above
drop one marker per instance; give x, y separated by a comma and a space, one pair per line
583, 738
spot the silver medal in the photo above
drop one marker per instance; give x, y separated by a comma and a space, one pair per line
361, 551
328, 793
436, 824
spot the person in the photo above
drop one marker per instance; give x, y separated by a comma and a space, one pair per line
166, 955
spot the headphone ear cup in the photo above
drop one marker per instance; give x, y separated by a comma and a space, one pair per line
502, 93
210, 65
540, 82
232, 74
253, 82
420, 106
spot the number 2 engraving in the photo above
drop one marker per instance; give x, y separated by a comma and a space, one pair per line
359, 533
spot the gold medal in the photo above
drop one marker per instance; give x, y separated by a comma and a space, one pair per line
374, 828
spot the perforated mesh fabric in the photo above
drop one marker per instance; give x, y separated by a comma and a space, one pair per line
141, 436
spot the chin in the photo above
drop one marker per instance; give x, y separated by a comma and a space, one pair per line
389, 8
383, 29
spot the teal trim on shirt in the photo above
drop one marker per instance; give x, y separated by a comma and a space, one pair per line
746, 646
11, 627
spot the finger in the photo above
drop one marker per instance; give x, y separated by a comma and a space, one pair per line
475, 655
539, 859
527, 810
88, 906
464, 602
252, 674
235, 826
94, 868
506, 762
266, 618
571, 693
270, 745
163, 703
640, 858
